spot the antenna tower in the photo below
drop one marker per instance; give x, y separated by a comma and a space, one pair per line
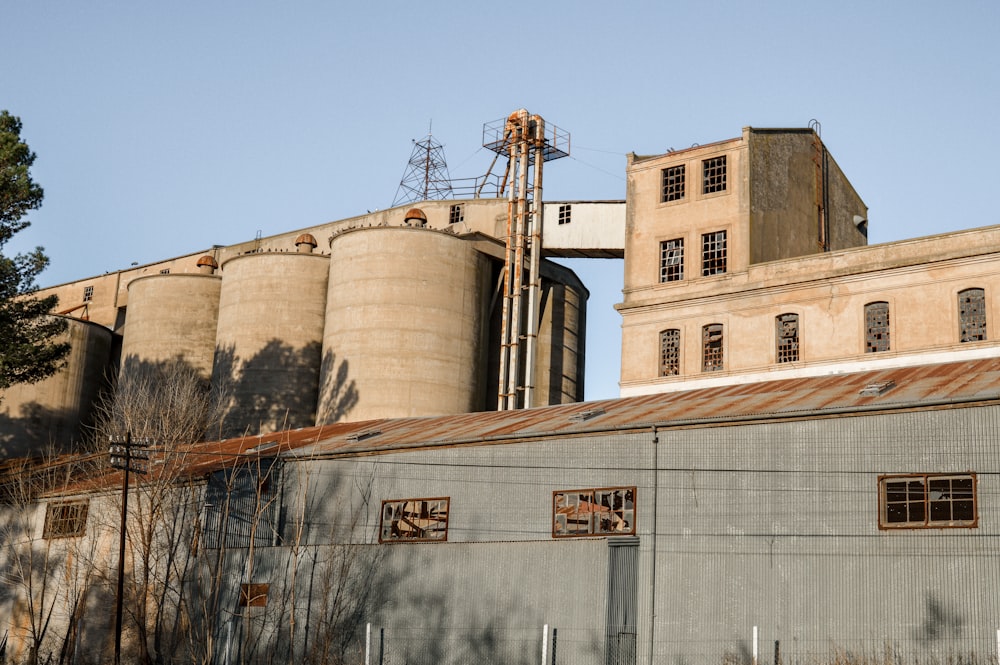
426, 177
526, 141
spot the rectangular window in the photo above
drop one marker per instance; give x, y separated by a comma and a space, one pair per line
564, 213
713, 253
456, 214
876, 327
65, 519
670, 352
714, 174
593, 512
88, 293
254, 595
972, 315
787, 335
673, 183
165, 271
935, 501
672, 260
711, 344
414, 520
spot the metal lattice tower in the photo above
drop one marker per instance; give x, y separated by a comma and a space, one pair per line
526, 141
426, 177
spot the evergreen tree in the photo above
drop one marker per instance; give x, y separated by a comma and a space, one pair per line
29, 350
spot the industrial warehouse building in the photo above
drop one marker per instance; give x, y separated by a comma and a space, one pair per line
803, 462
851, 514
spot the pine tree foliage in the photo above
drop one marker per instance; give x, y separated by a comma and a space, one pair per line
29, 346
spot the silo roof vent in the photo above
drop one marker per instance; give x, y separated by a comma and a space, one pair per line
306, 242
207, 264
415, 215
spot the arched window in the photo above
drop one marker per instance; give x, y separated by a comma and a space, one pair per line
876, 327
670, 352
711, 348
972, 315
786, 333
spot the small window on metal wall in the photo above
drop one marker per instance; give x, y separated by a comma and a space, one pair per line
670, 352
787, 336
936, 501
565, 213
972, 315
593, 512
672, 260
876, 327
414, 520
712, 348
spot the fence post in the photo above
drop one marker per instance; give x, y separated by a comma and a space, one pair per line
545, 643
754, 661
368, 644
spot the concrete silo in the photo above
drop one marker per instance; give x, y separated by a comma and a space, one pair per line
559, 363
171, 317
407, 322
270, 333
55, 410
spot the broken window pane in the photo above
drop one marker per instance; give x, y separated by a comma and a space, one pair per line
713, 253
714, 174
712, 359
972, 315
414, 520
670, 352
672, 260
787, 335
927, 501
673, 183
593, 512
876, 327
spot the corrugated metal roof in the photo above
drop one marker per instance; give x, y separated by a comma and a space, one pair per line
942, 384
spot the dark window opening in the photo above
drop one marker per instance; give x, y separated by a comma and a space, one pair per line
672, 260
927, 501
414, 520
456, 214
714, 174
711, 344
876, 327
88, 293
564, 213
670, 352
713, 253
593, 512
673, 183
787, 334
972, 315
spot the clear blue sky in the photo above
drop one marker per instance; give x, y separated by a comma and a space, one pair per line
164, 128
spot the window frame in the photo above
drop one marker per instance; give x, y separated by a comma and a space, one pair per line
876, 344
792, 352
714, 253
565, 213
70, 523
714, 175
438, 535
673, 183
676, 351
593, 492
671, 260
706, 366
972, 324
456, 214
927, 522
88, 293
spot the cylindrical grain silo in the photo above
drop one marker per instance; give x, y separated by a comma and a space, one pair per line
559, 362
406, 325
55, 411
171, 317
270, 333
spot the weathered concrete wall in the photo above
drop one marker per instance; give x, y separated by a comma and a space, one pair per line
406, 324
270, 332
52, 415
170, 317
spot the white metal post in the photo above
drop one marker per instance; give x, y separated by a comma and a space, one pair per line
754, 645
368, 644
545, 643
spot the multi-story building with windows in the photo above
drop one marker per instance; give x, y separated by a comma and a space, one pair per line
747, 260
